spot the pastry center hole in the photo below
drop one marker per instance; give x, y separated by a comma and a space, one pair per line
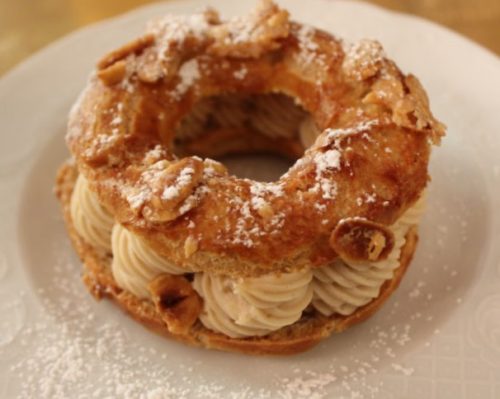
256, 136
259, 167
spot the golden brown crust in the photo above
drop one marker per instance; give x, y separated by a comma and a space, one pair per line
300, 336
376, 123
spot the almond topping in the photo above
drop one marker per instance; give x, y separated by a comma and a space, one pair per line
134, 47
114, 73
174, 189
190, 246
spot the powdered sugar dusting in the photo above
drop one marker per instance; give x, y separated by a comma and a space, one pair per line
189, 73
370, 198
142, 191
193, 199
80, 357
184, 179
240, 73
151, 183
330, 160
170, 193
242, 234
240, 30
333, 135
178, 27
101, 142
326, 162
260, 190
351, 377
116, 120
136, 197
308, 47
154, 154
311, 386
363, 58
305, 36
174, 30
405, 370
255, 217
364, 49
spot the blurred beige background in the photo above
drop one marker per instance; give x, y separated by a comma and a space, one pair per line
28, 25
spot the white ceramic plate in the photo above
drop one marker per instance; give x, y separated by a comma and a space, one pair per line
438, 336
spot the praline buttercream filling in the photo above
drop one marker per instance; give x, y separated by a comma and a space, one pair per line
91, 220
253, 306
342, 287
135, 264
241, 307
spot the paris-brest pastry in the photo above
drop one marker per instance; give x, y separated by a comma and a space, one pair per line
214, 260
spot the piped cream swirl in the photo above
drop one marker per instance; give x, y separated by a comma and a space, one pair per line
342, 287
92, 222
135, 264
253, 306
241, 307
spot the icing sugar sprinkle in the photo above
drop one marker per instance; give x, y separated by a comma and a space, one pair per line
184, 179
189, 73
154, 154
326, 161
259, 190
330, 159
363, 54
308, 46
136, 198
242, 234
150, 180
364, 49
305, 36
177, 28
241, 73
336, 134
248, 226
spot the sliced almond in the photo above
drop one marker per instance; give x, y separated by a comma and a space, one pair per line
174, 190
133, 47
190, 246
114, 73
